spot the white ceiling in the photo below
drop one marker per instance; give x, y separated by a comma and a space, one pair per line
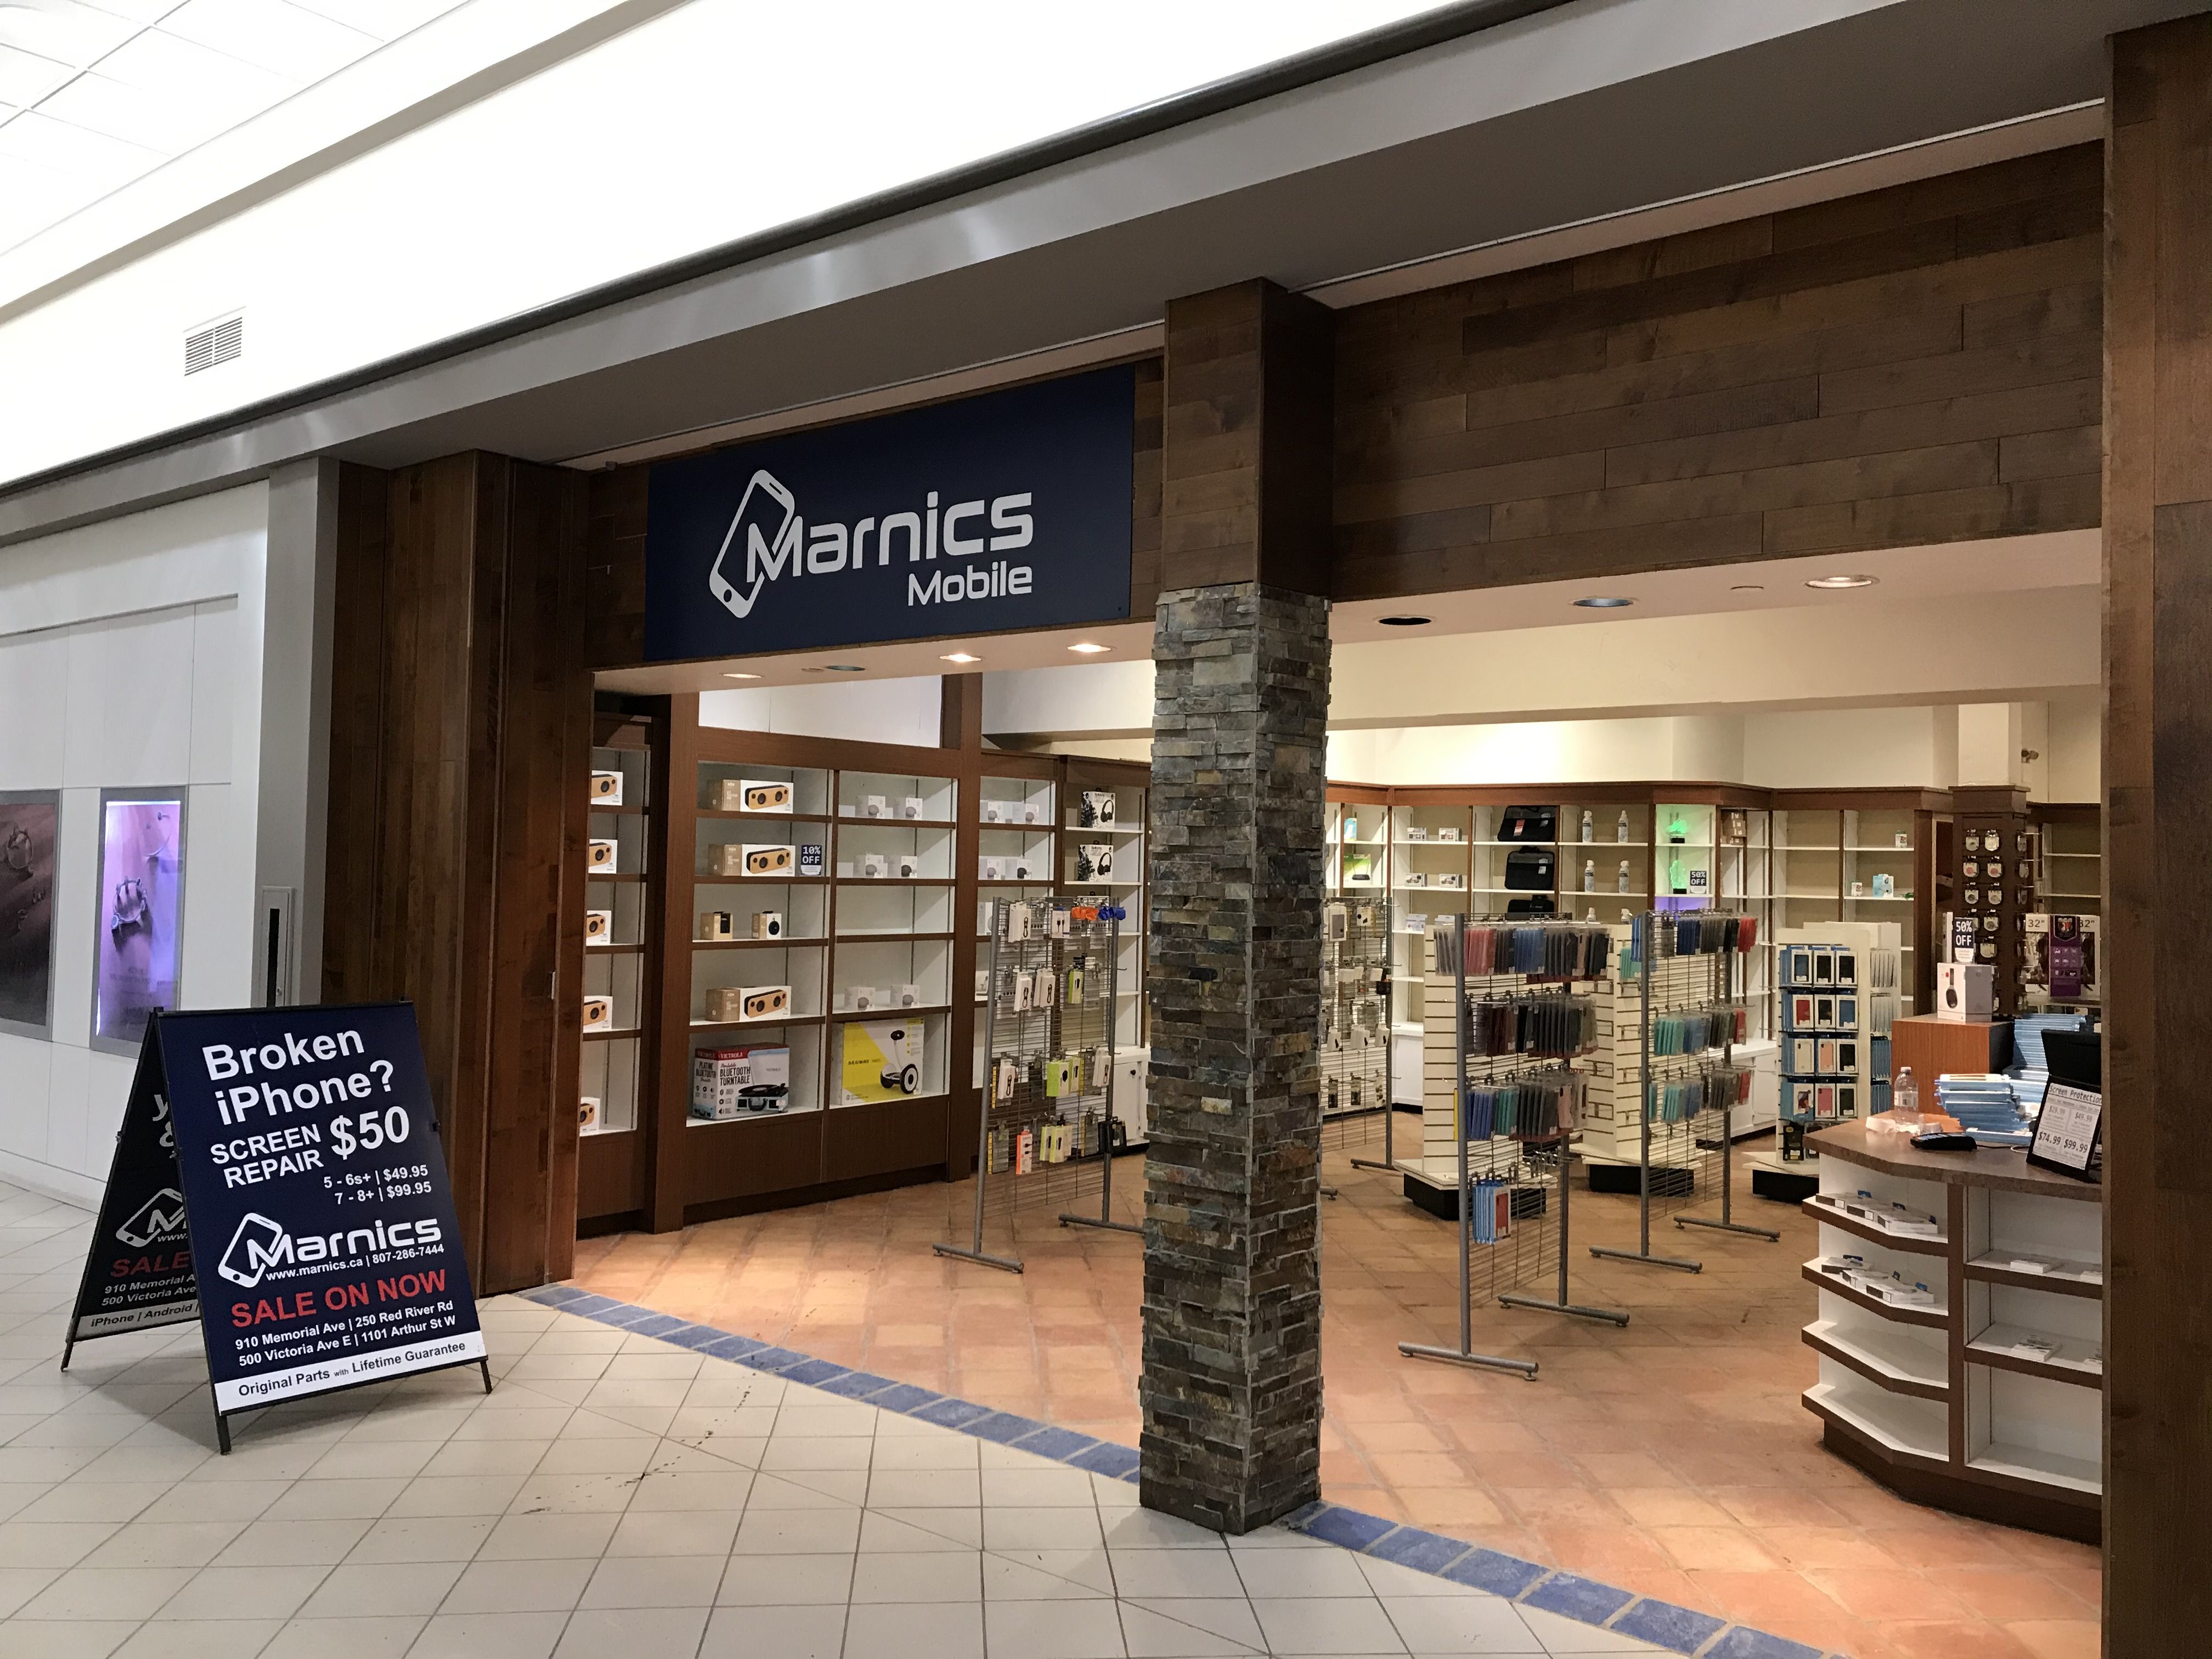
95, 94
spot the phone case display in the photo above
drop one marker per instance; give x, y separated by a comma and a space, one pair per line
1501, 1080
1959, 1327
30, 830
1668, 1077
1114, 800
1048, 1056
618, 896
142, 888
2064, 843
1838, 987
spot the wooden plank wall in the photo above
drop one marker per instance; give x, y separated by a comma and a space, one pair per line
461, 737
1917, 364
2157, 844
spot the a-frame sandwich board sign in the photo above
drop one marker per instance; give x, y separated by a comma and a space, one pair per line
292, 1153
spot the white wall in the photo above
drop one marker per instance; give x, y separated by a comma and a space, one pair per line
2074, 749
130, 657
908, 711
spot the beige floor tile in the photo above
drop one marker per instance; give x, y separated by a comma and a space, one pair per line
489, 1635
364, 1591
679, 1581
535, 1586
770, 1581
201, 1639
376, 1637
106, 1593
519, 1537
245, 1592
771, 1631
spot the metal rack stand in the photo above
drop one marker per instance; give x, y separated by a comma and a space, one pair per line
1726, 1221
1657, 929
1355, 1019
1542, 1166
1030, 1037
1104, 1218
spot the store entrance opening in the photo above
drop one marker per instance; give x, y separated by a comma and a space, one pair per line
812, 873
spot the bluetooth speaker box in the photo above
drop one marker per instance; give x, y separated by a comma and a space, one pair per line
600, 857
714, 928
768, 861
599, 926
874, 865
607, 788
993, 870
767, 924
587, 1114
762, 795
599, 1013
764, 1002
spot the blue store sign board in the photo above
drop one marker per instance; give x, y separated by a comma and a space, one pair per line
1004, 511
278, 1174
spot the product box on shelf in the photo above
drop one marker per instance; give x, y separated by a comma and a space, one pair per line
607, 788
587, 1114
1964, 990
599, 926
732, 1083
912, 807
754, 860
767, 924
883, 1060
874, 865
758, 795
599, 1013
875, 807
994, 869
714, 928
600, 857
1095, 809
810, 860
906, 865
864, 999
910, 996
1094, 861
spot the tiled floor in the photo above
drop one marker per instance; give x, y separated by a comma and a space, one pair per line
615, 1495
1671, 1458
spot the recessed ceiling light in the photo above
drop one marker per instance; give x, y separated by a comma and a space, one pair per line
734, 676
959, 656
1605, 602
1404, 622
1089, 649
1747, 587
1830, 584
835, 668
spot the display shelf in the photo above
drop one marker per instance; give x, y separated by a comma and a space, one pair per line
1878, 1417
2029, 1465
612, 1036
764, 819
756, 1025
757, 944
613, 875
892, 936
839, 1016
1825, 1209
597, 809
911, 881
1935, 1316
2079, 1278
1992, 1346
1890, 1362
595, 949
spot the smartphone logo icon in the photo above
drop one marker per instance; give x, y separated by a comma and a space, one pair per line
258, 1245
766, 529
162, 1215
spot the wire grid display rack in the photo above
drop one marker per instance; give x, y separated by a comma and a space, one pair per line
1514, 1191
1354, 1054
1045, 1116
1686, 1077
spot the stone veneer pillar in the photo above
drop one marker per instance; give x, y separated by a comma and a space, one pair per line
1231, 1386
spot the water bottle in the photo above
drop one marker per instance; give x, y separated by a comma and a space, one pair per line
1620, 831
1589, 827
1904, 1097
1623, 875
1589, 875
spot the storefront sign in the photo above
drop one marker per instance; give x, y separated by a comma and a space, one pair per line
1004, 511
278, 1172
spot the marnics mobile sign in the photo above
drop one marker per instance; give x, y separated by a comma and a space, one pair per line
1004, 511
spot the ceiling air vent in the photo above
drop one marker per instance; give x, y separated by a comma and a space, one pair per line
216, 343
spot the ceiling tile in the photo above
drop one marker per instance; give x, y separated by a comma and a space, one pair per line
161, 61
170, 120
271, 33
75, 152
62, 29
25, 79
138, 11
387, 20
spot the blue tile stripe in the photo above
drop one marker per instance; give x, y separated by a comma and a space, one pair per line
1679, 1630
